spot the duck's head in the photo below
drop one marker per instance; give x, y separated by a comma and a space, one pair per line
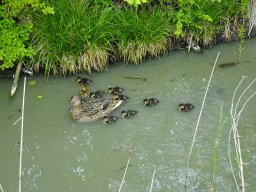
110, 90
75, 101
78, 79
145, 101
123, 114
182, 107
84, 88
92, 94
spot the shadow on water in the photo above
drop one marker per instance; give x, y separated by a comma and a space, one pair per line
62, 155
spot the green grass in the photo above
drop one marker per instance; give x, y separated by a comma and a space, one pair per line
216, 143
76, 33
83, 36
143, 33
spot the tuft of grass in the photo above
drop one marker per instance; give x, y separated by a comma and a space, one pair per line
142, 33
76, 38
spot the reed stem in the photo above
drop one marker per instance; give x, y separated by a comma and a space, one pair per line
152, 180
124, 175
200, 117
235, 119
1, 187
21, 137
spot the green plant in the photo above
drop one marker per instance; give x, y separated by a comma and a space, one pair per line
14, 36
77, 38
136, 2
14, 42
141, 33
216, 143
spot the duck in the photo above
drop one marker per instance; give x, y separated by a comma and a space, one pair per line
128, 113
83, 80
96, 94
109, 119
150, 101
86, 111
186, 107
121, 97
84, 92
115, 90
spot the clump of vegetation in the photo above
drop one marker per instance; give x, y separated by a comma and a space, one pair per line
15, 32
85, 35
77, 37
142, 33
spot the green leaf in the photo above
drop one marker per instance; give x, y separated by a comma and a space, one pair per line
32, 83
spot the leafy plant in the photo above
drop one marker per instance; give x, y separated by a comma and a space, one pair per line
14, 36
14, 42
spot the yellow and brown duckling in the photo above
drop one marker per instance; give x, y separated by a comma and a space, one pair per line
115, 90
128, 113
150, 102
83, 80
186, 107
109, 119
84, 92
121, 97
91, 110
96, 94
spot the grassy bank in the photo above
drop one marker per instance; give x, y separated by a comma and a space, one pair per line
86, 35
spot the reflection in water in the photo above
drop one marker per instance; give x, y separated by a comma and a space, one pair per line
60, 154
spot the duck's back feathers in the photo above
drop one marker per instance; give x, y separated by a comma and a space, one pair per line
91, 110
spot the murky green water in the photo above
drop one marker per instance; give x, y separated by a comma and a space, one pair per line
62, 155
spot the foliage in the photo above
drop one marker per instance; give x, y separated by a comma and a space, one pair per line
142, 33
14, 36
136, 2
203, 18
79, 33
13, 42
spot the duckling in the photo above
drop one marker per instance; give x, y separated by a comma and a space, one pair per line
121, 97
109, 119
115, 90
96, 94
83, 80
84, 92
150, 101
186, 107
128, 113
92, 110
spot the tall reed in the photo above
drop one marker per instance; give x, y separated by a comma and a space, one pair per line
235, 119
216, 143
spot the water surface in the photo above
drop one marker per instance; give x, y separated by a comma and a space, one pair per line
60, 154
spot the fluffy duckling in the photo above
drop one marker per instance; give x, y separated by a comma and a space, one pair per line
96, 94
109, 119
84, 92
83, 80
121, 97
186, 107
115, 90
128, 113
150, 101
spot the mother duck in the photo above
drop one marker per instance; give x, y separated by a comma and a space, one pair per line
92, 110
